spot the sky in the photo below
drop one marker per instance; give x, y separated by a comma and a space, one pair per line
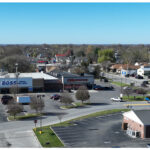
75, 23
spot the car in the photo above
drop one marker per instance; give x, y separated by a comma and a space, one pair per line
108, 88
98, 87
147, 98
148, 145
144, 85
6, 99
55, 97
105, 80
139, 77
117, 99
127, 75
145, 82
133, 74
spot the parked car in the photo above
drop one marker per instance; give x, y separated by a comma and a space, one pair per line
127, 75
105, 80
133, 74
108, 88
117, 99
55, 97
147, 98
6, 99
145, 82
144, 85
139, 77
98, 87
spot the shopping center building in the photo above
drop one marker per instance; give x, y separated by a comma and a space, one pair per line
29, 82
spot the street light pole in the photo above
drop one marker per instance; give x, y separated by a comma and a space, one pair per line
17, 76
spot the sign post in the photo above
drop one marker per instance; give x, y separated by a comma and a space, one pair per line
35, 121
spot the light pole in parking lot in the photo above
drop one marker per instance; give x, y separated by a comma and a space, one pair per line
40, 97
17, 76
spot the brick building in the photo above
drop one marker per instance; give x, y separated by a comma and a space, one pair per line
137, 123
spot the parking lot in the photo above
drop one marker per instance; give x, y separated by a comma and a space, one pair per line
96, 98
103, 132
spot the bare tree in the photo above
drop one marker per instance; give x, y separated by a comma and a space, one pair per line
127, 91
82, 94
141, 91
66, 98
37, 104
14, 108
13, 90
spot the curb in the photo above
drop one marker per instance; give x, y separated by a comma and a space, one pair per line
58, 137
36, 138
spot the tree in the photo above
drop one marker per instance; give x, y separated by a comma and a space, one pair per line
66, 98
127, 91
96, 72
105, 55
37, 104
14, 108
141, 91
82, 94
13, 90
8, 63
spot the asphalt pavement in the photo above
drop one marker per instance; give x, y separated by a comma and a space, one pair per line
102, 132
19, 133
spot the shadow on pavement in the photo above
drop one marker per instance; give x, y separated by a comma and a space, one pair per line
97, 104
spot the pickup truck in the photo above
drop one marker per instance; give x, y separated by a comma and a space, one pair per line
117, 99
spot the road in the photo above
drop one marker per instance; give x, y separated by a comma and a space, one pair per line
19, 133
123, 79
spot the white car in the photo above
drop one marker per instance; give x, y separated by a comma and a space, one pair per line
116, 99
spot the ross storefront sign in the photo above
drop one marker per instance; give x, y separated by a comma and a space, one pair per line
21, 82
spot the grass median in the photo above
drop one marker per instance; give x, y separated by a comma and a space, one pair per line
49, 139
134, 98
120, 84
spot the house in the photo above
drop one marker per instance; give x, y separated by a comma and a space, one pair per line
144, 70
62, 57
136, 123
129, 69
124, 68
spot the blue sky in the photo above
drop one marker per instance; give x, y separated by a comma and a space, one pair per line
75, 23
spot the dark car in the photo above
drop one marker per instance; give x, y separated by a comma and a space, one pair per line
133, 74
144, 85
6, 99
108, 88
127, 75
55, 97
105, 80
145, 82
98, 87
139, 77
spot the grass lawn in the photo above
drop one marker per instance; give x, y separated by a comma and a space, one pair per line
48, 138
132, 98
119, 83
27, 116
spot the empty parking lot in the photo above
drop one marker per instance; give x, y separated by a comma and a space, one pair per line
101, 132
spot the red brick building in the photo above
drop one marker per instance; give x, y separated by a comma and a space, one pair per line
137, 123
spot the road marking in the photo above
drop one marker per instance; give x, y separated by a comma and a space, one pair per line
135, 104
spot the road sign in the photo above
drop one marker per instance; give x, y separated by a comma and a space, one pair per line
35, 121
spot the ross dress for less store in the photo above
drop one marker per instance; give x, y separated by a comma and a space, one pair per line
29, 82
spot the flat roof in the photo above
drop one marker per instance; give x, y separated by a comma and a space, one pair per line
34, 75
